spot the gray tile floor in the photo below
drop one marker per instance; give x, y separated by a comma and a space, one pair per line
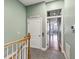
49, 54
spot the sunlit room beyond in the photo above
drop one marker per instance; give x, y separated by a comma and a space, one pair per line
39, 29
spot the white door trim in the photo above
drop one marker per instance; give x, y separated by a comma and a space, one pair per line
62, 42
61, 32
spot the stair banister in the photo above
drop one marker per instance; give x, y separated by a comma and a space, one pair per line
23, 41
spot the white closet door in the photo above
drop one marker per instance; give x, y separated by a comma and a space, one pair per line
35, 28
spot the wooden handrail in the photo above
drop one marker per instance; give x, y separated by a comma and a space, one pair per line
25, 38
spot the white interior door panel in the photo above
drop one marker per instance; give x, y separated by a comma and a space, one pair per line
35, 28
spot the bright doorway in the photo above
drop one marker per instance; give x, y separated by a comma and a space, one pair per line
54, 33
55, 29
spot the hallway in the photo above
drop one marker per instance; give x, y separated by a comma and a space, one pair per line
47, 25
53, 43
54, 36
49, 54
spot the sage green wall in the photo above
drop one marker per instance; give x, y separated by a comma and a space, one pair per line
14, 19
39, 9
55, 5
69, 20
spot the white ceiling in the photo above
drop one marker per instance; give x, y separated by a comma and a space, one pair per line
30, 2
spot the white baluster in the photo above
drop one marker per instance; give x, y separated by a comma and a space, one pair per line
16, 51
12, 51
24, 51
21, 51
7, 52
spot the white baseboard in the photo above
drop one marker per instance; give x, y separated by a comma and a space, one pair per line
64, 54
44, 49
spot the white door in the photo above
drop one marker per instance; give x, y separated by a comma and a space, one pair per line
35, 28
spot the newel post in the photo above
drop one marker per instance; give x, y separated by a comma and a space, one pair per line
29, 37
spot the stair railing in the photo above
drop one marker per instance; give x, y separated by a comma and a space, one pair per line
20, 49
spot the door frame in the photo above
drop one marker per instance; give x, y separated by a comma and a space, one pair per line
62, 42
